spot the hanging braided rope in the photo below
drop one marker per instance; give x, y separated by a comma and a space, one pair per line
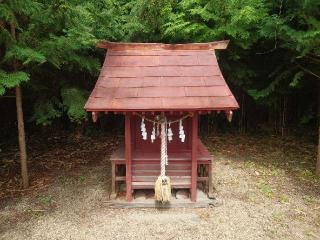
164, 147
163, 157
162, 187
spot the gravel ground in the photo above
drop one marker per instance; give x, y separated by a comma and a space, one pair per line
255, 205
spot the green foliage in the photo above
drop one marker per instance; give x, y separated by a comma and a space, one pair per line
49, 35
82, 178
24, 54
46, 111
296, 79
46, 200
274, 46
209, 20
24, 7
7, 14
10, 80
73, 101
265, 188
148, 17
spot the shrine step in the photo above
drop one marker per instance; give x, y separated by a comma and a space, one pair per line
157, 172
174, 179
157, 162
156, 166
147, 182
145, 173
154, 169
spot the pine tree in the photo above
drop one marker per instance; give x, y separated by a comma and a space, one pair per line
14, 54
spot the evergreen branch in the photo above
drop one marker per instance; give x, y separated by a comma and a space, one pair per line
275, 34
25, 55
307, 70
11, 80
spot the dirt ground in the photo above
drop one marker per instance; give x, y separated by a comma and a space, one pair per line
266, 187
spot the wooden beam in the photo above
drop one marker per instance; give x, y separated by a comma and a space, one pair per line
194, 157
158, 46
128, 156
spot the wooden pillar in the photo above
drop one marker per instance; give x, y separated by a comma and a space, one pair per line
194, 157
210, 184
113, 194
128, 156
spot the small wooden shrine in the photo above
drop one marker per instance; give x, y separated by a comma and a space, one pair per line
175, 81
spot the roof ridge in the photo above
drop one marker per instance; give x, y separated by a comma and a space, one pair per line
163, 46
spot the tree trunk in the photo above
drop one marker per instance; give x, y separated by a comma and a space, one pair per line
22, 138
283, 117
318, 160
21, 133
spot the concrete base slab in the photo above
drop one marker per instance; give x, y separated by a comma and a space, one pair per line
143, 199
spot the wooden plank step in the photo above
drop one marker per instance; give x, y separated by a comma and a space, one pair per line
158, 159
151, 186
157, 172
184, 183
174, 179
120, 178
146, 161
152, 156
174, 203
167, 170
157, 167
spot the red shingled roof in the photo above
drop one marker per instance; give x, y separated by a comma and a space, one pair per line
152, 77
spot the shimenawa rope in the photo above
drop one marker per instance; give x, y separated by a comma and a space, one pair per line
163, 184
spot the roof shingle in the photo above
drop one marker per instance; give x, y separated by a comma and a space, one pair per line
155, 78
